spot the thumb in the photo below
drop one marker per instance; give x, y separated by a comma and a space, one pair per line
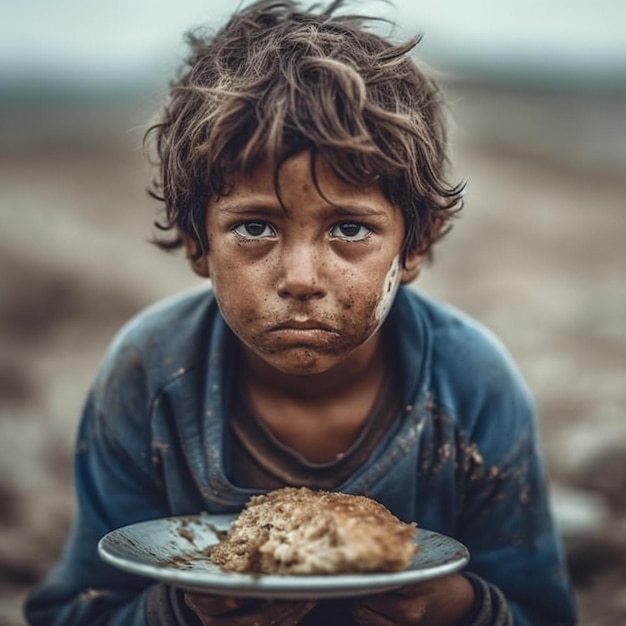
212, 605
293, 613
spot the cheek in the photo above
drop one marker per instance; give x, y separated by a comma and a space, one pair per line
390, 287
364, 309
229, 292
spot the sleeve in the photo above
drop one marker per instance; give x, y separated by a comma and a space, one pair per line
504, 516
116, 485
490, 605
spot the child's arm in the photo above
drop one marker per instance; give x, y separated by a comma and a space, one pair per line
505, 519
111, 491
120, 479
493, 480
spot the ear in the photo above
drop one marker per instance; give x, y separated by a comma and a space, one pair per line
199, 265
411, 267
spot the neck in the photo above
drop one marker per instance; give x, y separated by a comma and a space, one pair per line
319, 415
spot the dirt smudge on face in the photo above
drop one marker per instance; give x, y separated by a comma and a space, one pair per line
390, 287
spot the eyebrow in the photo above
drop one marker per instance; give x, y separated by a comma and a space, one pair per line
252, 207
249, 208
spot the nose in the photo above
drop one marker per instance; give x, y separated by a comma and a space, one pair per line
302, 269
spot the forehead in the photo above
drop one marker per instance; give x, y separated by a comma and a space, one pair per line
301, 176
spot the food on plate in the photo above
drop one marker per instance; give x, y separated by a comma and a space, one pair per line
301, 531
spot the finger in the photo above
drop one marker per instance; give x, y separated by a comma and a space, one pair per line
276, 613
392, 608
212, 605
426, 587
409, 591
247, 612
365, 616
294, 612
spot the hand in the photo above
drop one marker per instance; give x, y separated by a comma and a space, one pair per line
440, 602
225, 611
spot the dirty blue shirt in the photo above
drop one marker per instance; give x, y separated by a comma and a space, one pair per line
462, 460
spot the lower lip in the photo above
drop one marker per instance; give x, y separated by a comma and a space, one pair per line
305, 335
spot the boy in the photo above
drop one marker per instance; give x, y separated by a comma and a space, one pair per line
302, 168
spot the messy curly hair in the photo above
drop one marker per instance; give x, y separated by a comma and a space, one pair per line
277, 80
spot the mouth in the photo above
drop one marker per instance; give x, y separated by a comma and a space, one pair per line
310, 334
304, 325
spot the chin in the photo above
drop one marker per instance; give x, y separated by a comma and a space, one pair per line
303, 368
301, 363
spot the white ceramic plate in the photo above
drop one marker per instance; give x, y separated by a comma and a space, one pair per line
173, 550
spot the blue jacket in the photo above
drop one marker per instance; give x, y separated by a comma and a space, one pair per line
464, 459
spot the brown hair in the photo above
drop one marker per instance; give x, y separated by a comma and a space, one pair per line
276, 80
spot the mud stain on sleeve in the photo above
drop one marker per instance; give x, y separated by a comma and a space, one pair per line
93, 594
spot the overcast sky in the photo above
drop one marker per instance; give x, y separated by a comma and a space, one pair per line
104, 40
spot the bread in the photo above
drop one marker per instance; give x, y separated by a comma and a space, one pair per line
300, 531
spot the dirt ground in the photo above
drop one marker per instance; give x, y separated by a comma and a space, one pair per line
538, 255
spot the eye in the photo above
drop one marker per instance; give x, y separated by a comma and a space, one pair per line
254, 230
350, 231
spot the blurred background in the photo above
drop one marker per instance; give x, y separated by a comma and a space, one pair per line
537, 98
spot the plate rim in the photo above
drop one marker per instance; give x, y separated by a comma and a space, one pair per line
274, 585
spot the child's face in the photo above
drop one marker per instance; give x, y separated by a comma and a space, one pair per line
307, 288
